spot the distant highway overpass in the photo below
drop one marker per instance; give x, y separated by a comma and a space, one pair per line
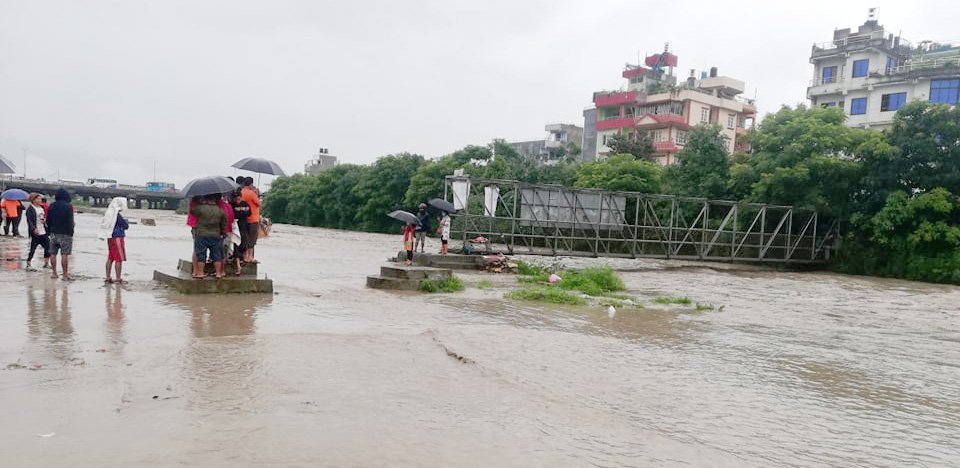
97, 196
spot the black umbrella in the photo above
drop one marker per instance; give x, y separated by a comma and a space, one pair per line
208, 186
442, 205
6, 167
260, 166
404, 217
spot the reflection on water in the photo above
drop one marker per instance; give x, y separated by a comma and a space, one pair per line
113, 301
10, 251
49, 322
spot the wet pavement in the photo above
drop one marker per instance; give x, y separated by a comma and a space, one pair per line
795, 369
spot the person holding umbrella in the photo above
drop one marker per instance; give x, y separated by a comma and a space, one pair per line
423, 226
211, 221
443, 227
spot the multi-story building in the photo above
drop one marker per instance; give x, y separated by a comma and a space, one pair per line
654, 104
321, 162
871, 73
555, 146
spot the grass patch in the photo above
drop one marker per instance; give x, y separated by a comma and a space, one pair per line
596, 281
449, 285
552, 295
672, 300
484, 284
701, 307
526, 269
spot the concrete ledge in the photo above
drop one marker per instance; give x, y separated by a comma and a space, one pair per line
415, 272
246, 269
229, 285
395, 284
450, 261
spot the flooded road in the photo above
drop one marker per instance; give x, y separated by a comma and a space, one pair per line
795, 369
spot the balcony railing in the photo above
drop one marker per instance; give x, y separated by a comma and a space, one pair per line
614, 99
951, 62
826, 81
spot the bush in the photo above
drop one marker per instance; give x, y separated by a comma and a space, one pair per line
595, 281
449, 285
552, 295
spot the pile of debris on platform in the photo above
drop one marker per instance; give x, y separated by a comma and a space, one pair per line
497, 264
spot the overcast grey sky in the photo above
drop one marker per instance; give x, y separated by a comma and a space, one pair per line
105, 88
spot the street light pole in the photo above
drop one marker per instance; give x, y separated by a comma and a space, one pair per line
155, 171
24, 163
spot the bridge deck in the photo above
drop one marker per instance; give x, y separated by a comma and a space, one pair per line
554, 220
97, 195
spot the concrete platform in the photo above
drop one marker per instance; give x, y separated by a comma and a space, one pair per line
406, 278
450, 261
246, 269
185, 284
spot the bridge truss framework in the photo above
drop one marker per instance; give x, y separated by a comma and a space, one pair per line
524, 218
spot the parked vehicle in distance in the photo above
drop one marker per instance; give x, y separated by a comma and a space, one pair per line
103, 183
161, 187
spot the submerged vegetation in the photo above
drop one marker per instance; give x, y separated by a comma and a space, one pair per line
672, 300
550, 294
449, 285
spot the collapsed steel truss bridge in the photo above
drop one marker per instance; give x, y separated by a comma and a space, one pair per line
521, 218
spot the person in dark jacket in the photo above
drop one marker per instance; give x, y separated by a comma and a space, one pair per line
423, 227
37, 229
60, 224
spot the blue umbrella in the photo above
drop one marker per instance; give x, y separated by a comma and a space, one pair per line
208, 186
14, 194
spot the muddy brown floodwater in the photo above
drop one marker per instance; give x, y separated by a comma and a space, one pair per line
796, 369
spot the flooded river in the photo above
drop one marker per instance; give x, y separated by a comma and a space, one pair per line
795, 369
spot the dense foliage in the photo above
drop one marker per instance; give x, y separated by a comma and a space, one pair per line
895, 191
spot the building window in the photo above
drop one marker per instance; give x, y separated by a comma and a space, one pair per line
731, 119
860, 67
829, 104
892, 102
891, 65
705, 114
840, 104
656, 135
858, 106
829, 75
944, 91
682, 136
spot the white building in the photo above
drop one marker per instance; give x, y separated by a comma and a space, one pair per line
870, 74
321, 162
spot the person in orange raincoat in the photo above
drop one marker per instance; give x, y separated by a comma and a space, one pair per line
12, 209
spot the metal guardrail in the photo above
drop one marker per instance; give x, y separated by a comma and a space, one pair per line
553, 220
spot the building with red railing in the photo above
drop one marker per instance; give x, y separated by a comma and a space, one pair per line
655, 105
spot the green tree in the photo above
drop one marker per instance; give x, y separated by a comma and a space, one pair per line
804, 157
924, 152
915, 238
640, 147
703, 166
382, 189
621, 172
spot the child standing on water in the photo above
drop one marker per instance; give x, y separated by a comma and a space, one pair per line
409, 234
211, 227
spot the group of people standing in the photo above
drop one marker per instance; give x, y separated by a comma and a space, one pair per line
225, 228
50, 227
415, 234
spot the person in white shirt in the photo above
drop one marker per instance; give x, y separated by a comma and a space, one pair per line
443, 229
37, 227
